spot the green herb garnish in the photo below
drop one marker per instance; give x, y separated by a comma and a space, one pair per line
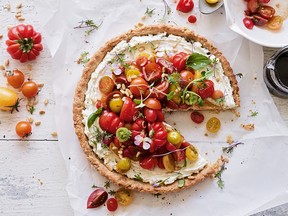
198, 61
149, 12
218, 175
92, 117
138, 177
230, 148
107, 184
89, 25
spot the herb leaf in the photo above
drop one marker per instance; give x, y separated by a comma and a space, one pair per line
149, 12
92, 117
138, 177
197, 61
218, 175
181, 183
170, 95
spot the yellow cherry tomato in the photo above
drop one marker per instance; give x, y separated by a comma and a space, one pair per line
169, 162
191, 153
132, 73
174, 137
176, 96
213, 125
212, 1
8, 99
275, 23
123, 165
124, 196
115, 104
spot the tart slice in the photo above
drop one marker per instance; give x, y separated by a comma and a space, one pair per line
122, 96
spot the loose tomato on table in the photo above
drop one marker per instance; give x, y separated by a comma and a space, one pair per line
179, 61
29, 89
24, 43
124, 196
97, 198
112, 204
185, 6
213, 125
23, 129
197, 117
9, 100
15, 78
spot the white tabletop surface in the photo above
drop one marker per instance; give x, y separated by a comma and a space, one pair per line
32, 171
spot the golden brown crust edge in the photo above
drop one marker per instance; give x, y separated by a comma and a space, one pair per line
79, 98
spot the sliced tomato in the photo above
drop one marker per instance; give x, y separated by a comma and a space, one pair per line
179, 61
148, 162
266, 11
152, 72
169, 68
106, 84
141, 61
159, 91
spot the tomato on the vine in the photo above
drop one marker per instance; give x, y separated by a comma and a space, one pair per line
185, 6
112, 204
179, 61
23, 129
29, 89
15, 78
24, 43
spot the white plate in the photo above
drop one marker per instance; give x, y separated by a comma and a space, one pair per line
235, 15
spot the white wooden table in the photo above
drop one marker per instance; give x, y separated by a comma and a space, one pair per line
32, 171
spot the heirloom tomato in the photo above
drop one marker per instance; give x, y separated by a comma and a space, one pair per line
24, 43
97, 198
110, 122
112, 204
179, 61
8, 99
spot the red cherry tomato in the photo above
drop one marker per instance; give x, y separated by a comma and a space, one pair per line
248, 23
192, 19
206, 89
153, 103
150, 114
179, 61
266, 12
179, 155
264, 1
185, 6
24, 43
159, 137
148, 162
29, 89
259, 21
217, 94
160, 163
141, 61
170, 147
160, 116
166, 64
159, 91
197, 117
15, 78
253, 5
138, 86
152, 72
112, 204
23, 129
128, 110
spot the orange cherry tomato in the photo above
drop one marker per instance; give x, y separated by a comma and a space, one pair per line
153, 103
106, 84
217, 94
23, 129
15, 78
186, 77
138, 86
275, 23
213, 125
30, 89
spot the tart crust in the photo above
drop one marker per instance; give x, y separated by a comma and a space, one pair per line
78, 106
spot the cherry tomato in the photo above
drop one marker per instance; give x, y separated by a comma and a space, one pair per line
259, 21
24, 43
169, 162
170, 147
153, 103
275, 23
112, 204
29, 89
185, 6
212, 1
115, 104
179, 61
248, 23
138, 86
179, 155
264, 1
148, 162
23, 129
15, 78
123, 165
266, 11
169, 68
106, 84
206, 89
128, 110
8, 99
97, 198
186, 77
150, 114
110, 122
124, 196
159, 91
213, 125
217, 94
174, 137
197, 117
160, 116
131, 73
192, 19
141, 61
253, 5
191, 153
176, 94
159, 137
152, 72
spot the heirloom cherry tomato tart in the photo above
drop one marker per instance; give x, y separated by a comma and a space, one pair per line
126, 88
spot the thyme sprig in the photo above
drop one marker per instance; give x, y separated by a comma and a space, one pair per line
229, 149
83, 59
167, 10
218, 175
89, 25
149, 12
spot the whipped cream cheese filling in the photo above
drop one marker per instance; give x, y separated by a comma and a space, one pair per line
159, 45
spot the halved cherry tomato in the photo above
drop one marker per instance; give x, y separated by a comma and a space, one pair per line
179, 61
132, 73
275, 23
266, 11
197, 117
128, 110
112, 204
29, 89
206, 89
213, 125
106, 84
259, 21
191, 153
159, 91
185, 6
141, 61
253, 5
186, 77
248, 23
23, 129
97, 198
138, 86
152, 72
15, 78
179, 155
153, 103
166, 64
124, 196
169, 162
148, 162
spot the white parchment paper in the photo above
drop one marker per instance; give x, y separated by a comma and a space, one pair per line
256, 174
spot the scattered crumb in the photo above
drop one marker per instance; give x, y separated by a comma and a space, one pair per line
1, 36
42, 112
7, 62
8, 6
40, 85
30, 120
253, 102
2, 67
40, 181
54, 134
248, 127
138, 25
29, 67
237, 114
38, 123
205, 134
21, 18
46, 102
19, 5
229, 139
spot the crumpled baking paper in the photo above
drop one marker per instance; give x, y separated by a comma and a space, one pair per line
255, 176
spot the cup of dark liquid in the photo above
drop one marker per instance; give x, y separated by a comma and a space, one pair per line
276, 73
